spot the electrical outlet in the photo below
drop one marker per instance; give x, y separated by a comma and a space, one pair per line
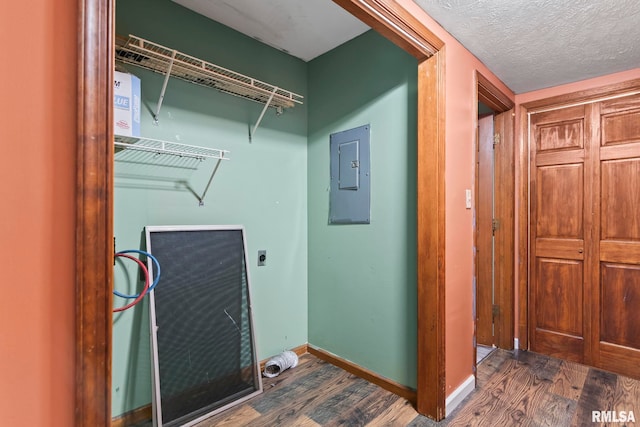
262, 258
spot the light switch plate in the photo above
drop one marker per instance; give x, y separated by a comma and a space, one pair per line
467, 198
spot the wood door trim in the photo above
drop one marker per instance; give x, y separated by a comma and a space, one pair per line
565, 100
583, 96
491, 96
395, 23
431, 238
94, 214
504, 241
94, 227
591, 230
522, 170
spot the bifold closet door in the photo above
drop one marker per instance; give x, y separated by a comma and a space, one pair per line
616, 298
585, 234
560, 225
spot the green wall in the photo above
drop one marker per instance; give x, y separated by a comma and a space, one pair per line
263, 186
362, 278
349, 289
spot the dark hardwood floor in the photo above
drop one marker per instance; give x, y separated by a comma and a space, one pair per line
514, 388
316, 393
529, 389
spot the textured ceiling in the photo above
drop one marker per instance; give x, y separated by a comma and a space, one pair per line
528, 44
533, 44
302, 28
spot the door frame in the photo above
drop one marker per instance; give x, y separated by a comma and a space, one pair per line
523, 170
94, 201
94, 213
490, 95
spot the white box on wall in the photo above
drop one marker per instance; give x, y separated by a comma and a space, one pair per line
126, 104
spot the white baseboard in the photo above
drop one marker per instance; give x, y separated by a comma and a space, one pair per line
516, 344
458, 395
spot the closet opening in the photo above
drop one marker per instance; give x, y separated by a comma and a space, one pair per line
494, 220
94, 230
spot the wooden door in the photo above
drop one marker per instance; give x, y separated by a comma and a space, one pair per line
494, 231
615, 297
585, 234
484, 232
558, 223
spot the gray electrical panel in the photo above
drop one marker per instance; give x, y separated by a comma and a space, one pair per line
350, 197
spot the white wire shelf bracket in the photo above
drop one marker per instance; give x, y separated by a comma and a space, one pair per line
170, 62
159, 147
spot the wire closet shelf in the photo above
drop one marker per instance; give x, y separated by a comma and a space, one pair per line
171, 148
152, 56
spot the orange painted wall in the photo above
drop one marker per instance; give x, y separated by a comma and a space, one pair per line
37, 165
459, 175
461, 119
37, 133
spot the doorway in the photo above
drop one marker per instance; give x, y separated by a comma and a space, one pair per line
494, 220
94, 229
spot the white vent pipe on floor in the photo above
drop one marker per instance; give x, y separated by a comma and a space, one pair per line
277, 364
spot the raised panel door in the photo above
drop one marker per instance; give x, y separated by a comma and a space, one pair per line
616, 293
584, 288
558, 223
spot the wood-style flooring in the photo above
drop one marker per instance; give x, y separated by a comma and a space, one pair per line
514, 389
482, 351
